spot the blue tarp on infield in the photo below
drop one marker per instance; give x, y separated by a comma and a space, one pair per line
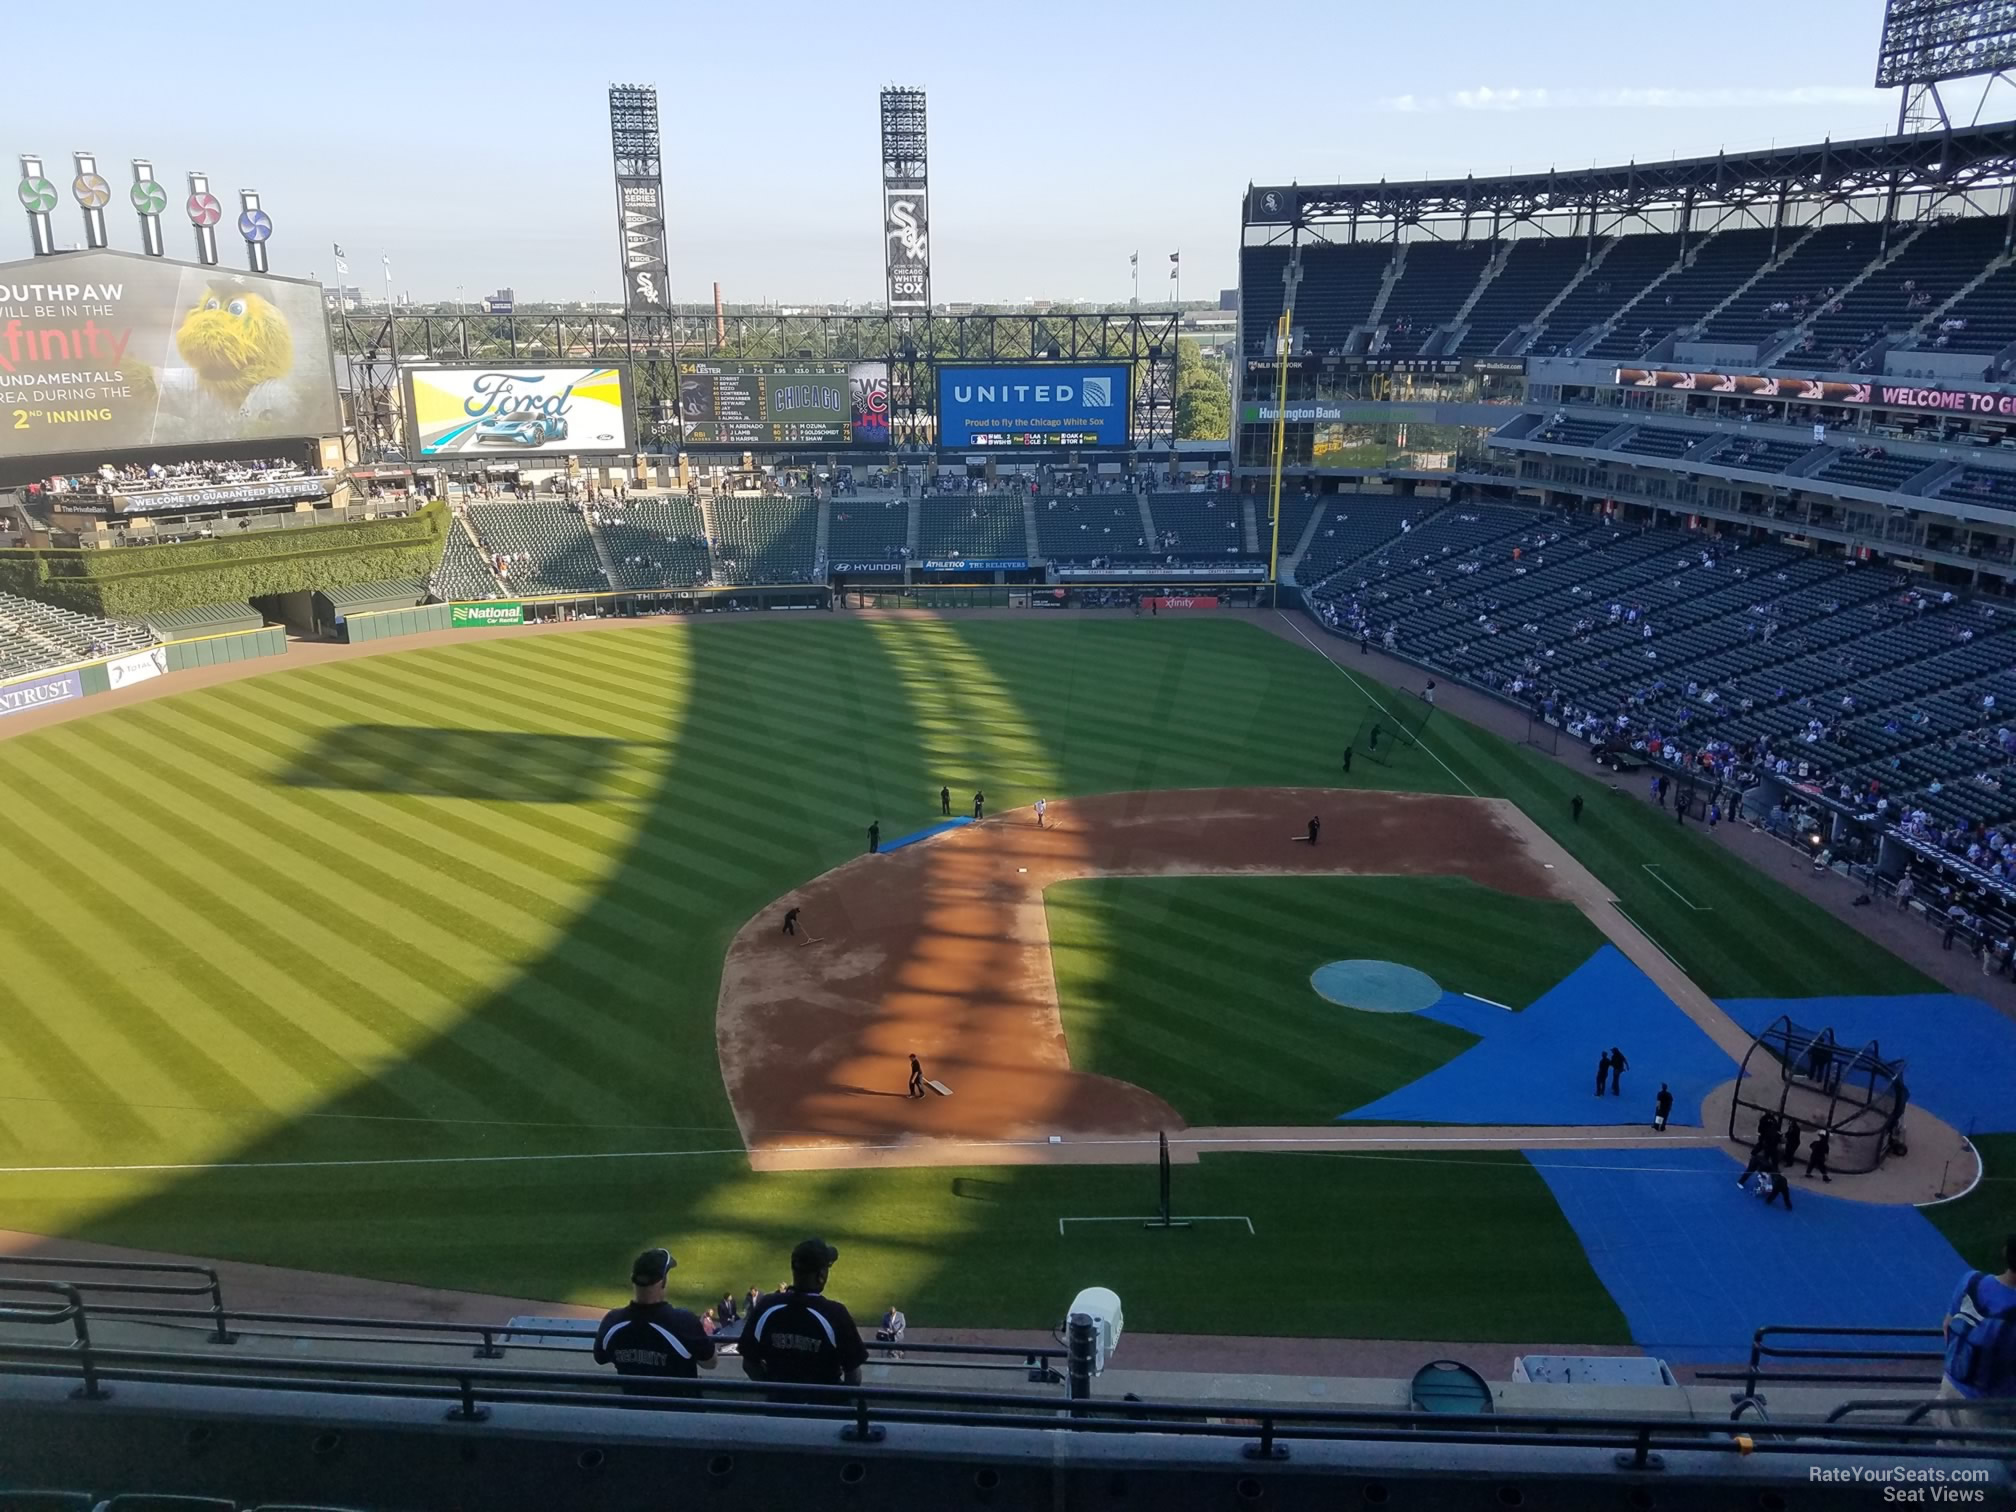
1958, 1051
924, 834
1539, 1066
1696, 1265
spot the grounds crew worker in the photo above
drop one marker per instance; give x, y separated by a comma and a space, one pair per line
651, 1338
799, 1336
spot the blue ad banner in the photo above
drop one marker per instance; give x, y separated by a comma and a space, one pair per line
20, 697
1036, 404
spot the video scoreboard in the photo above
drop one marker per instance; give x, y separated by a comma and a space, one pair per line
792, 403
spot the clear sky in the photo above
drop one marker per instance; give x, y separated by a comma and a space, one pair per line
470, 144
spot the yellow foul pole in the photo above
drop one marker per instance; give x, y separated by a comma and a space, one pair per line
1280, 449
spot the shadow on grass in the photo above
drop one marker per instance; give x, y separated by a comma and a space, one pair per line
507, 766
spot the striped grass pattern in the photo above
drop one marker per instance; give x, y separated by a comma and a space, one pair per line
406, 966
1199, 986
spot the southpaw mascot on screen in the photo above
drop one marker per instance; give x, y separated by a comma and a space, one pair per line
238, 348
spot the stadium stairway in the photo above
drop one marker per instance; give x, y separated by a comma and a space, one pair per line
1532, 330
1770, 352
1914, 337
602, 554
822, 540
1765, 270
1147, 519
1492, 268
1032, 548
915, 538
1388, 281
1249, 526
1291, 558
707, 519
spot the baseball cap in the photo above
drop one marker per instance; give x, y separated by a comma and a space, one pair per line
813, 1254
649, 1268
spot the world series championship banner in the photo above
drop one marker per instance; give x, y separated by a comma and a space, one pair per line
109, 351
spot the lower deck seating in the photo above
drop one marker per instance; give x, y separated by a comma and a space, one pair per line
765, 540
867, 531
983, 527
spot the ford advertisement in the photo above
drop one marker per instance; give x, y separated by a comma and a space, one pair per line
1035, 404
521, 410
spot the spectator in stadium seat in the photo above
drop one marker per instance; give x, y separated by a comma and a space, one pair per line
650, 1338
1981, 1339
799, 1336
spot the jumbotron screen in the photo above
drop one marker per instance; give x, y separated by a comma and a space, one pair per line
111, 351
792, 403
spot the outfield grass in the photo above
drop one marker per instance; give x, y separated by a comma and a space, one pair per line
1197, 988
469, 903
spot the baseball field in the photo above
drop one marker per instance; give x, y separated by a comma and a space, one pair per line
407, 967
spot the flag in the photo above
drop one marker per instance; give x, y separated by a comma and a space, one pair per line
1175, 257
339, 250
1134, 259
1174, 274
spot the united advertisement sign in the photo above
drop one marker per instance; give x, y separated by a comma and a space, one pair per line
522, 410
110, 351
1048, 404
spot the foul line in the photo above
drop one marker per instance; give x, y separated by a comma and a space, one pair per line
1154, 1220
1648, 938
1594, 1139
1652, 871
1488, 1002
1418, 740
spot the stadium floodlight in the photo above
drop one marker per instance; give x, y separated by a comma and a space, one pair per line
1927, 42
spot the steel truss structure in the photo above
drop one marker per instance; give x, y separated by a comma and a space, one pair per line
1970, 170
370, 350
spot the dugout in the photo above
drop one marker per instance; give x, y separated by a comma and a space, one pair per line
1804, 1075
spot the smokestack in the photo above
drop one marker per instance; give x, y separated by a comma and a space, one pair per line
204, 213
149, 200
255, 225
93, 195
720, 320
38, 198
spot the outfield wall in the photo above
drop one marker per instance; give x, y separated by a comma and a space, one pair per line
57, 685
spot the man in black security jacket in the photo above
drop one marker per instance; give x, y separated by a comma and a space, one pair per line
799, 1336
649, 1337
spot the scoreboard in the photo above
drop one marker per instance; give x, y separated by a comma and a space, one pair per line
798, 402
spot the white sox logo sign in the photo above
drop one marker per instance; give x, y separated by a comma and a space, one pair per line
906, 231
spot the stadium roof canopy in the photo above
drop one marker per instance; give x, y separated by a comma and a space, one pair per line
1881, 174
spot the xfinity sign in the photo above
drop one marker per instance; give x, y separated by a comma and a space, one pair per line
1051, 404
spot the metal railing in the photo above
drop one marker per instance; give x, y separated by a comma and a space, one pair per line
1761, 1350
1264, 1431
71, 1312
1039, 1363
204, 1284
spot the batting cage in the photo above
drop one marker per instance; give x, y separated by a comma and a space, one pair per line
1804, 1077
1383, 734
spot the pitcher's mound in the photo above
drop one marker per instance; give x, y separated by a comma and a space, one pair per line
1376, 986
